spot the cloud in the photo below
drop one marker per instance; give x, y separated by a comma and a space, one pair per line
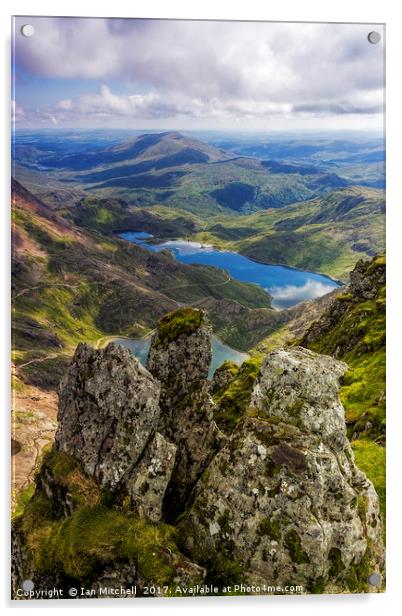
286, 296
207, 69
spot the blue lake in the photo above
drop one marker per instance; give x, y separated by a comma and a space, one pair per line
286, 285
220, 352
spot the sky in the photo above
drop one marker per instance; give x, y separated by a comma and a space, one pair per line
196, 75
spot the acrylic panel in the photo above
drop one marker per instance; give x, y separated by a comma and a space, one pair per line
198, 279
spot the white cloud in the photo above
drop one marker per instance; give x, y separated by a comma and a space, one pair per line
208, 69
292, 294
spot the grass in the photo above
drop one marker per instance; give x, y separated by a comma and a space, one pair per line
22, 500
95, 535
92, 538
370, 458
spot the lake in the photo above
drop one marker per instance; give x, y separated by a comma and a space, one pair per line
220, 352
286, 285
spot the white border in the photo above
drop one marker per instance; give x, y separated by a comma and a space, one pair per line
286, 10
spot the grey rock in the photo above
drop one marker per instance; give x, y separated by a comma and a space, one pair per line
181, 366
300, 387
108, 411
365, 279
283, 501
148, 480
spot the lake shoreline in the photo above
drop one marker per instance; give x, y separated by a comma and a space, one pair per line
154, 240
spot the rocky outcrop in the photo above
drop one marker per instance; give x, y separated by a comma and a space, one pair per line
108, 417
367, 278
348, 311
283, 502
179, 358
353, 328
278, 500
108, 411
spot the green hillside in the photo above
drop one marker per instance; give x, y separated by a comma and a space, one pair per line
329, 234
70, 285
353, 329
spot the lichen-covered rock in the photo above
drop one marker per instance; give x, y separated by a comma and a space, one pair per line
300, 387
148, 481
179, 357
283, 502
108, 411
367, 277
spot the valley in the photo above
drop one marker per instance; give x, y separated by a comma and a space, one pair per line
109, 237
273, 211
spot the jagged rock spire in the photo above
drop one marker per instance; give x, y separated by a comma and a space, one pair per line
179, 357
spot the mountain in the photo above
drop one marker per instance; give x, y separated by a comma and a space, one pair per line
71, 284
169, 148
177, 171
328, 234
142, 488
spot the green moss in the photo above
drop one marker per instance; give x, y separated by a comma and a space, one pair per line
22, 500
67, 474
228, 366
370, 458
229, 370
317, 587
184, 321
361, 506
293, 544
95, 534
344, 297
358, 574
224, 571
336, 563
362, 394
235, 400
94, 537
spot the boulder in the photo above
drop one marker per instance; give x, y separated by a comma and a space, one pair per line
108, 411
283, 502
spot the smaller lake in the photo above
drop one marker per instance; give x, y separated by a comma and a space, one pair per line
220, 352
286, 285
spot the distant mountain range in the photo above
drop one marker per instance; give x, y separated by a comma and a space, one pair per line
171, 185
171, 169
